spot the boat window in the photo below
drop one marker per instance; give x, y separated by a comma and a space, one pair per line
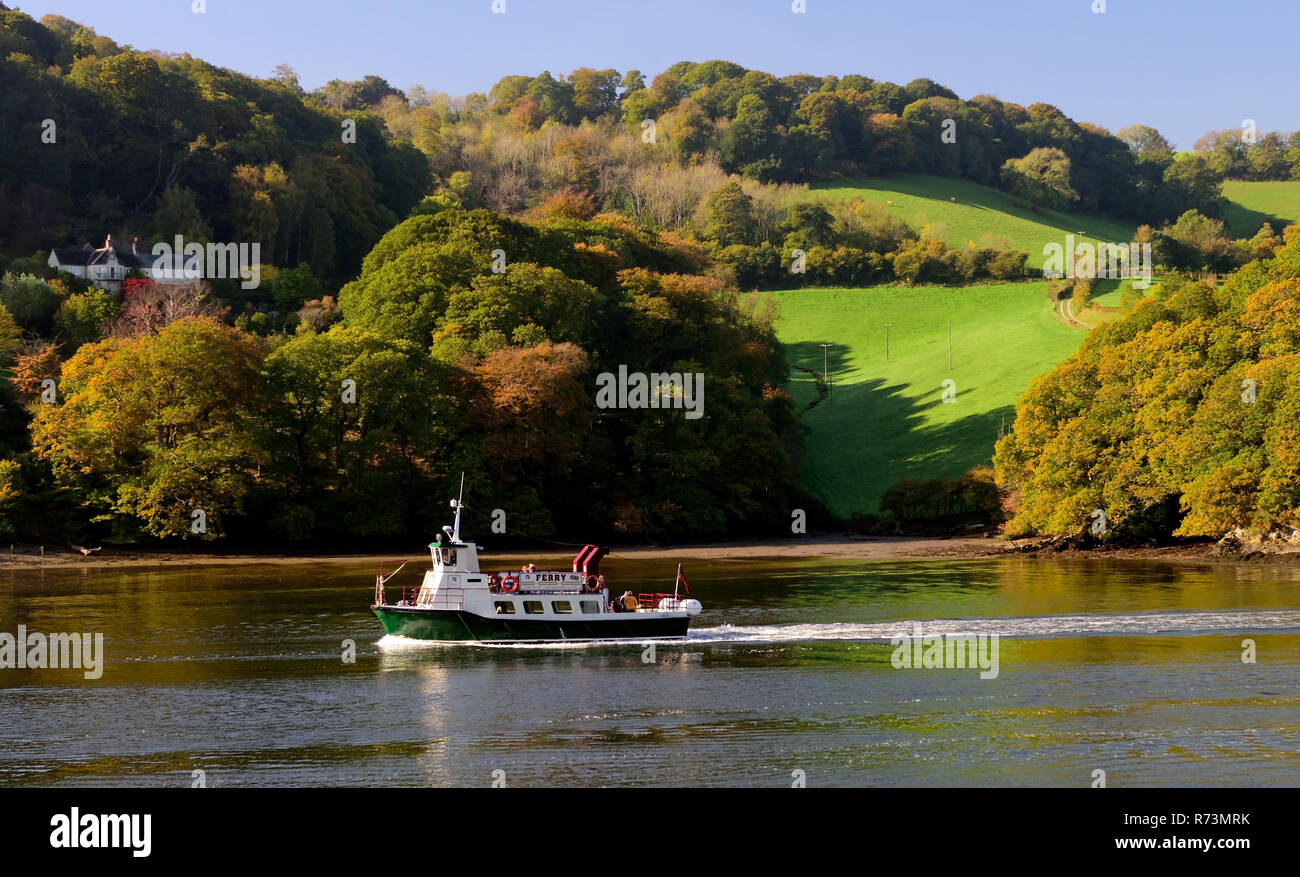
505, 607
534, 607
590, 607
562, 607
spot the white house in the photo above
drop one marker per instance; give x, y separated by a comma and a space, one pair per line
108, 266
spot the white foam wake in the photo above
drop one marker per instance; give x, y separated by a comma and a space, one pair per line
1141, 624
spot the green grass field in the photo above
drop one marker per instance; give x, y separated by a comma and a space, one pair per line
1252, 204
885, 420
978, 211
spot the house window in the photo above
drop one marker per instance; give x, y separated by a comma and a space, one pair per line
505, 607
562, 607
534, 607
590, 607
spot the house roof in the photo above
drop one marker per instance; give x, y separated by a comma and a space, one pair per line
74, 255
88, 255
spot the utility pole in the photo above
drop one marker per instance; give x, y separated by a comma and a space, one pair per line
826, 374
950, 345
887, 325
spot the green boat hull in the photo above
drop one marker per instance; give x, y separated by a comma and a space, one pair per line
450, 625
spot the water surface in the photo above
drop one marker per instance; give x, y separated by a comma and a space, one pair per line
1133, 668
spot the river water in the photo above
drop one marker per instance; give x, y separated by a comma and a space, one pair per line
1131, 668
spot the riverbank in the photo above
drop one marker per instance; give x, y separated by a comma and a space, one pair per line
826, 547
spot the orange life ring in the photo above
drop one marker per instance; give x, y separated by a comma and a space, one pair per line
510, 584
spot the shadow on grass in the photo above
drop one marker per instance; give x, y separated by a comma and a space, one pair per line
994, 201
1243, 222
869, 435
806, 362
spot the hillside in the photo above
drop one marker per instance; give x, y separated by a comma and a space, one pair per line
1253, 203
978, 211
884, 420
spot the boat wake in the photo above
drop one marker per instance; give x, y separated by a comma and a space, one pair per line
1143, 624
1036, 627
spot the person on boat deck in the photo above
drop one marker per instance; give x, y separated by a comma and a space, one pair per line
629, 602
530, 568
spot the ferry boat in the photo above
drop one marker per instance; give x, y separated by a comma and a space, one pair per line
457, 602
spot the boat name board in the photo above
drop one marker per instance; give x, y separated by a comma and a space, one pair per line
548, 578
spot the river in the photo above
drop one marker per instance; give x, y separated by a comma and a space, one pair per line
236, 676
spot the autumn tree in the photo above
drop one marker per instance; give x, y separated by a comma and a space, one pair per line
153, 429
150, 307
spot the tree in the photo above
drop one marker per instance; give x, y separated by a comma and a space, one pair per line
33, 368
889, 142
1146, 142
30, 301
11, 337
748, 143
293, 286
82, 317
1151, 420
539, 408
287, 76
352, 423
633, 80
1195, 243
595, 92
730, 215
178, 213
155, 428
1190, 183
1042, 178
807, 225
564, 309
149, 307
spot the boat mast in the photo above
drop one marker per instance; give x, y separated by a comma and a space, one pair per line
455, 530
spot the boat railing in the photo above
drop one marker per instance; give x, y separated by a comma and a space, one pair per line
404, 594
651, 602
447, 598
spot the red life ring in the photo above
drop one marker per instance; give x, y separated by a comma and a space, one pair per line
510, 584
590, 586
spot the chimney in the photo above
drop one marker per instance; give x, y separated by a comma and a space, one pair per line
108, 242
135, 246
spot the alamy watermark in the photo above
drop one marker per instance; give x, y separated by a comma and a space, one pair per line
54, 651
77, 830
1103, 261
946, 652
653, 390
192, 261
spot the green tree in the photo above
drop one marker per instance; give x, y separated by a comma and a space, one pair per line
178, 213
730, 216
82, 317
1042, 178
352, 424
30, 301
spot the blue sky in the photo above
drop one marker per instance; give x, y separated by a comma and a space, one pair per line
1184, 66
